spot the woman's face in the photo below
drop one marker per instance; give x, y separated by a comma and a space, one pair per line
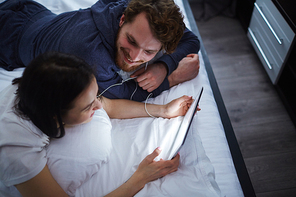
85, 106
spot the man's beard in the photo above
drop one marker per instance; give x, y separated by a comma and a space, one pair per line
120, 61
123, 65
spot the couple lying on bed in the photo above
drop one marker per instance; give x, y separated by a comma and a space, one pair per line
33, 117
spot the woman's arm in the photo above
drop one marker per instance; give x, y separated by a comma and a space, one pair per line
122, 109
43, 184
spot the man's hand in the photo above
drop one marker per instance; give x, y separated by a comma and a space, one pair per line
151, 78
187, 69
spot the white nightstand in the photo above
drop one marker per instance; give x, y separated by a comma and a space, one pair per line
271, 37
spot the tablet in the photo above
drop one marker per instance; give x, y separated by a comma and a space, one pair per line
184, 127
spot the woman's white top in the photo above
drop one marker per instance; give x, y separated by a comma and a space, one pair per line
22, 144
25, 150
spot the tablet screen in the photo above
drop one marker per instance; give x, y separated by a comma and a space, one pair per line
184, 127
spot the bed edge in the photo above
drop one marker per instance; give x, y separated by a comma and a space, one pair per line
236, 154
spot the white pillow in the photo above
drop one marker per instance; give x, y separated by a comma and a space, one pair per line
78, 155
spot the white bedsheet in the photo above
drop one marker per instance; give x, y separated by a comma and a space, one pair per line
204, 156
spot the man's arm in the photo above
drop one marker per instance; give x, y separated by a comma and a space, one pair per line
127, 90
188, 69
189, 44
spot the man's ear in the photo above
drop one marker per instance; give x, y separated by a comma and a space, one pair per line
121, 20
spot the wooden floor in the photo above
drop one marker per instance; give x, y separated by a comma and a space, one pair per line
265, 133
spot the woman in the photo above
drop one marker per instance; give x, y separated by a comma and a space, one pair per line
59, 90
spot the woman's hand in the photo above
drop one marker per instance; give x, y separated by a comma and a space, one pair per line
178, 107
150, 170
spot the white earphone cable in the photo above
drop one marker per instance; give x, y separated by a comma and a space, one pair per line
132, 93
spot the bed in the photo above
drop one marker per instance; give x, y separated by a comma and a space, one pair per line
211, 162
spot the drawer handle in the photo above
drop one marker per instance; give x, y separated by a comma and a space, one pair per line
260, 49
268, 24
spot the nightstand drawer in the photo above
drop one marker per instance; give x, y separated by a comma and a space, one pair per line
270, 60
277, 29
271, 36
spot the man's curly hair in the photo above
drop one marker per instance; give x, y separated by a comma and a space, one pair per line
164, 17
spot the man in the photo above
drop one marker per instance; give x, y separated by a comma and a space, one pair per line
115, 37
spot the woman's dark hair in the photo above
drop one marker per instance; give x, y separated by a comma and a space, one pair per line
48, 87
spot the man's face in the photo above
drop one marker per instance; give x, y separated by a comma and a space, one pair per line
135, 43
